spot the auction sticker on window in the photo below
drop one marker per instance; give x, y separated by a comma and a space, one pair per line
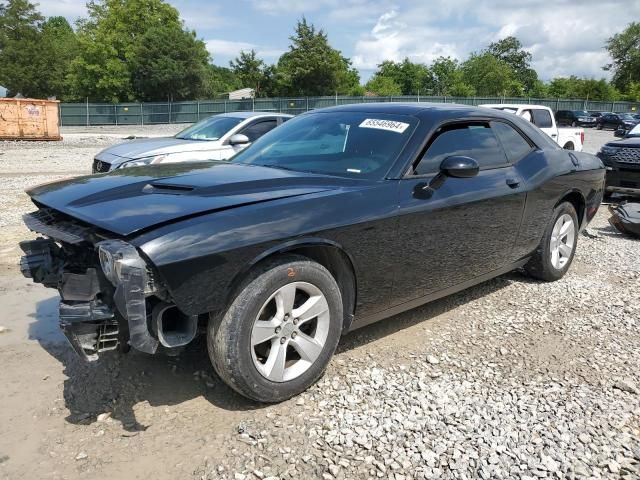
389, 125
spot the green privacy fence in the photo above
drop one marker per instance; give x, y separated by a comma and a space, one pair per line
188, 112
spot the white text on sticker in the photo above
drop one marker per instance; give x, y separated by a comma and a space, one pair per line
389, 125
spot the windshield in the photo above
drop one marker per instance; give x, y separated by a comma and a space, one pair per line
626, 116
581, 113
360, 145
209, 129
634, 132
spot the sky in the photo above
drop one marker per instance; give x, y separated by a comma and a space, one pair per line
565, 37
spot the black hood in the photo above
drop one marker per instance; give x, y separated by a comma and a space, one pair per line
633, 142
128, 200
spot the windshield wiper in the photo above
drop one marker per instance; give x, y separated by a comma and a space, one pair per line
280, 167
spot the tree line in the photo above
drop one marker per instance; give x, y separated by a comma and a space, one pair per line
140, 50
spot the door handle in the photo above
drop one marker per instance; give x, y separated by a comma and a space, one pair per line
513, 182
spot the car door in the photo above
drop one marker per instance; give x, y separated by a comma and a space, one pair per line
455, 229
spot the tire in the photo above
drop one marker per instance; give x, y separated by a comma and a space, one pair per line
569, 146
599, 126
574, 124
246, 367
542, 264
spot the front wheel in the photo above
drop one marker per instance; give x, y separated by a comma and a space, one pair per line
555, 253
278, 335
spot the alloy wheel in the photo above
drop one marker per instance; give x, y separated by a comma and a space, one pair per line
563, 237
290, 331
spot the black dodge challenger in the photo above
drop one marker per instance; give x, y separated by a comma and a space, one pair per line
338, 218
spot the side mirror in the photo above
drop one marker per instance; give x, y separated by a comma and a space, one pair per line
238, 139
459, 166
619, 133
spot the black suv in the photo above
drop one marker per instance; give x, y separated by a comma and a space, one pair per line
575, 118
617, 120
622, 160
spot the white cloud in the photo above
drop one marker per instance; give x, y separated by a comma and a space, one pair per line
228, 48
195, 18
70, 9
352, 11
566, 37
393, 37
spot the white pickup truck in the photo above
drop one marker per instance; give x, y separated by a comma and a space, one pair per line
542, 117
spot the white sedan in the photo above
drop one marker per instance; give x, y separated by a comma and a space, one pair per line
215, 138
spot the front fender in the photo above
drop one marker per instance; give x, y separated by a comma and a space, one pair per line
199, 259
289, 246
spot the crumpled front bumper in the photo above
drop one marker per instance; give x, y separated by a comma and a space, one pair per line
95, 316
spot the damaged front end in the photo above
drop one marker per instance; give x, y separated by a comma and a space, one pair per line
108, 297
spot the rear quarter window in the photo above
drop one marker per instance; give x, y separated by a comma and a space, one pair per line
516, 147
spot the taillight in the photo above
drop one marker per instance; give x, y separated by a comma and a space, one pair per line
582, 137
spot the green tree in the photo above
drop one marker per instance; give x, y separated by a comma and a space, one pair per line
312, 66
490, 76
448, 78
412, 78
59, 43
633, 92
510, 51
358, 91
587, 88
252, 72
383, 86
21, 59
168, 62
219, 80
461, 89
108, 42
444, 70
624, 49
539, 90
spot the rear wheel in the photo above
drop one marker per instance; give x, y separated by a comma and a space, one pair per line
278, 335
555, 253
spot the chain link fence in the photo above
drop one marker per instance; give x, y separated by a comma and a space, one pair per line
88, 114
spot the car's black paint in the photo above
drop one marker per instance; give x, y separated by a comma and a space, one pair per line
615, 121
459, 166
204, 226
622, 160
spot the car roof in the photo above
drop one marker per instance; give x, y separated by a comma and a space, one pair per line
254, 114
511, 105
410, 108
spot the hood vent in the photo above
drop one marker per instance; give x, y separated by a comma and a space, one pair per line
167, 189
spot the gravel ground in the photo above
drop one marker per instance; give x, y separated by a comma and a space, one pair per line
513, 378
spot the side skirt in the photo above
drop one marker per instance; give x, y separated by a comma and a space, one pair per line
364, 321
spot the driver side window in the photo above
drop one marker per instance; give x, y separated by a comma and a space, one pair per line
258, 129
475, 140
